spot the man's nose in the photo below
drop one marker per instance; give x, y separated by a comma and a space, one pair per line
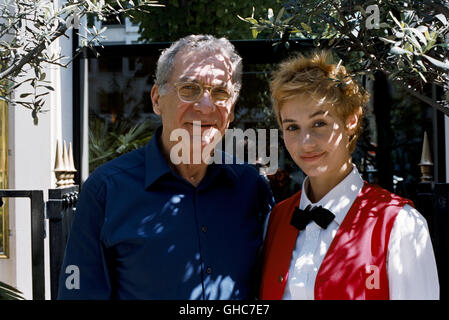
205, 104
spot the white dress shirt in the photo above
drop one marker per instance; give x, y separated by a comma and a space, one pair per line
411, 266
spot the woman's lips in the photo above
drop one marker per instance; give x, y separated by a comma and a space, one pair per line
311, 157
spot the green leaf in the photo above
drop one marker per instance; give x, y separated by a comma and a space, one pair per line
280, 14
443, 45
421, 64
24, 95
422, 76
255, 32
286, 21
387, 40
243, 19
395, 20
270, 15
251, 20
397, 50
42, 94
8, 292
399, 34
408, 47
439, 64
415, 43
119, 4
417, 33
442, 18
306, 27
295, 30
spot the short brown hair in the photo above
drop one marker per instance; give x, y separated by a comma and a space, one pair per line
326, 82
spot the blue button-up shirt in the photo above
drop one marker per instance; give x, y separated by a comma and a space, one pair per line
143, 232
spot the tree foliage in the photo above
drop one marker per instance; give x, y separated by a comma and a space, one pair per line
408, 42
8, 292
29, 28
110, 140
181, 18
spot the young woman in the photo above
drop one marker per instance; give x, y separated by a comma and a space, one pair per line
338, 237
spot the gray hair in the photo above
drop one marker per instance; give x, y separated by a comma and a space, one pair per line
198, 42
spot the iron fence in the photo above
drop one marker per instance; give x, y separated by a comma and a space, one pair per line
37, 236
59, 210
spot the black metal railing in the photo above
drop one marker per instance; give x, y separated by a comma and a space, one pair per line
37, 236
60, 211
432, 201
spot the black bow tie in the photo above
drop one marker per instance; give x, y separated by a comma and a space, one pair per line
321, 216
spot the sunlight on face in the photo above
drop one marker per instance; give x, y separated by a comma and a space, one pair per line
315, 136
202, 117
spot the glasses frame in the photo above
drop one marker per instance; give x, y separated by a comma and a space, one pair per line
202, 87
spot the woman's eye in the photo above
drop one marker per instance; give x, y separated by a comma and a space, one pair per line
319, 124
291, 127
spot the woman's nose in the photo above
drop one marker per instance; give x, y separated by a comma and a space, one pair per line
307, 139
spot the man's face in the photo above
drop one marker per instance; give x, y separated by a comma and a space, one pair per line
207, 70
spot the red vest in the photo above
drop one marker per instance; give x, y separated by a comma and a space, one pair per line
355, 264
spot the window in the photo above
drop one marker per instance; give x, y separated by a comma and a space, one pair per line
4, 179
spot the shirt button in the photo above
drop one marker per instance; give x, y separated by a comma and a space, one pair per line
209, 270
204, 229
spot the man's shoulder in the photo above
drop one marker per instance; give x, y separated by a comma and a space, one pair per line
244, 172
243, 168
122, 165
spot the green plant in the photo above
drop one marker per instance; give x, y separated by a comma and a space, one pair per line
180, 18
8, 292
409, 42
28, 29
110, 140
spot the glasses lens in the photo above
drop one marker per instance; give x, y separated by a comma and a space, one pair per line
189, 91
220, 94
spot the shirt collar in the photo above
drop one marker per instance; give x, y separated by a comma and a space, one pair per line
226, 167
156, 165
340, 199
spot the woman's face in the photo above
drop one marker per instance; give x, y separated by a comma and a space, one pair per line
316, 138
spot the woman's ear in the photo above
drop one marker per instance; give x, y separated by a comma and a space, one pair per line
155, 96
352, 123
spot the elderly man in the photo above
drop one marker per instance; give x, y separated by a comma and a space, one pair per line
148, 227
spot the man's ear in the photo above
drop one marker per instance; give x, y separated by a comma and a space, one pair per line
155, 96
231, 116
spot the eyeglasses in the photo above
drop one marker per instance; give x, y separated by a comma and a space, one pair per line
192, 92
